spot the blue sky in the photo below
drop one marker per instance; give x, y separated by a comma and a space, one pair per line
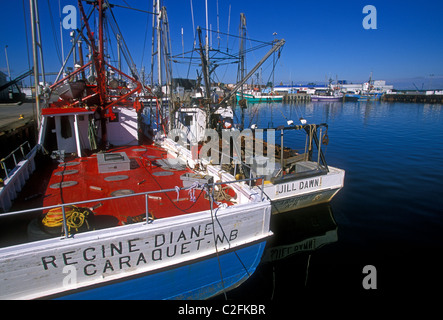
323, 38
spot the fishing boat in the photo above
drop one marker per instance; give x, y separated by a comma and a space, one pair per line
297, 179
292, 178
254, 96
96, 211
325, 98
367, 93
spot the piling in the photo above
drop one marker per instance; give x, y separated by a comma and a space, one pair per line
296, 97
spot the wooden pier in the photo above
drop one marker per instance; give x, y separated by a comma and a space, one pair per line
413, 97
295, 97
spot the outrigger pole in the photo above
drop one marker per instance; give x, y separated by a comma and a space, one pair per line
36, 42
274, 48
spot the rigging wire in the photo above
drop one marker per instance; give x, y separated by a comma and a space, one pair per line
57, 48
193, 26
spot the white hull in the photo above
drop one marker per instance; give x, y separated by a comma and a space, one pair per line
88, 260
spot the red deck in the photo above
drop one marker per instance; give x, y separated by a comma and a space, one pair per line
144, 175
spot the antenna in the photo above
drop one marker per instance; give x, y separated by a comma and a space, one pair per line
229, 23
37, 51
61, 30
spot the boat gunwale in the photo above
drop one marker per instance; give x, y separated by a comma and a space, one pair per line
134, 228
146, 193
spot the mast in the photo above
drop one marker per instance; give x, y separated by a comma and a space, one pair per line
35, 29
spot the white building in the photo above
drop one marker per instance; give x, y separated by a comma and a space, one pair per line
379, 86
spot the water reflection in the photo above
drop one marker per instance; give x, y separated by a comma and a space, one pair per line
300, 231
266, 115
285, 266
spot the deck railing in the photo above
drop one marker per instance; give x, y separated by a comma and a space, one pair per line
145, 194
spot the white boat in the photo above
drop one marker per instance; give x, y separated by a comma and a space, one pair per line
327, 95
300, 178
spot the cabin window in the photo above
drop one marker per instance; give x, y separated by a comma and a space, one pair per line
65, 127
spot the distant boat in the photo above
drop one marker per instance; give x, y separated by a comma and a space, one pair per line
328, 94
368, 93
299, 179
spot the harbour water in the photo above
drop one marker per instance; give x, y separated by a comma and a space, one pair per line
388, 215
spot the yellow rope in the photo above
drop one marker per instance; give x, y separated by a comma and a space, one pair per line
75, 217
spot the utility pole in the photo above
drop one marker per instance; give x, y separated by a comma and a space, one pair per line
119, 58
242, 49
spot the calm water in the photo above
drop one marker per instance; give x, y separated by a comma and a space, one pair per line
389, 214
